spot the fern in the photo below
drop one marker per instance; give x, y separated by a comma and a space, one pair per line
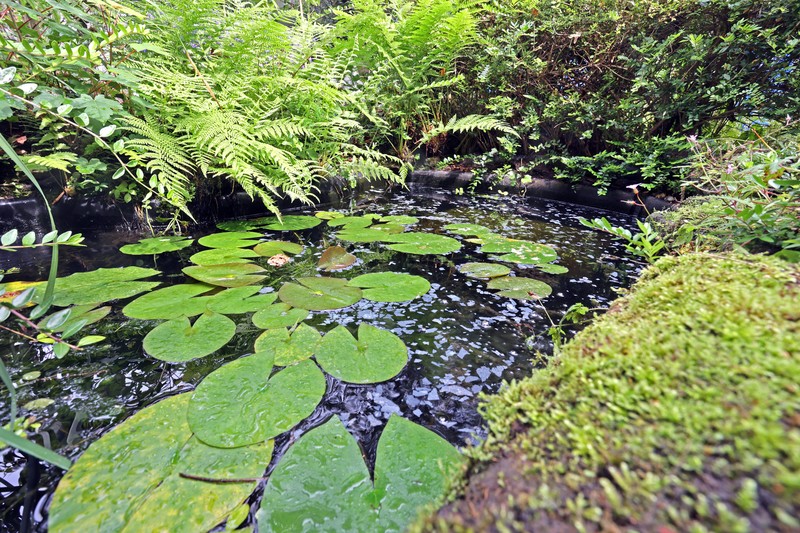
468, 124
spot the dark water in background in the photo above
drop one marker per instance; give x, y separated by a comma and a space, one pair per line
463, 339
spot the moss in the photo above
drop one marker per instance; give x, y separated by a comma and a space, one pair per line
679, 408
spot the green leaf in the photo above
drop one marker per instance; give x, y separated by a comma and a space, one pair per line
520, 288
60, 349
101, 285
377, 355
292, 223
517, 251
29, 238
279, 315
240, 300
270, 248
157, 245
423, 243
169, 302
483, 270
363, 235
7, 75
245, 225
5, 312
552, 269
31, 448
287, 348
328, 215
9, 237
38, 404
90, 339
319, 294
469, 229
391, 286
226, 274
106, 131
335, 258
56, 320
83, 314
99, 108
322, 483
130, 478
219, 256
178, 340
352, 222
23, 298
231, 239
240, 403
403, 220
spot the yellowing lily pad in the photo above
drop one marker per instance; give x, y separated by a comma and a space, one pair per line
391, 286
319, 294
335, 258
130, 478
231, 239
243, 403
169, 302
270, 248
279, 315
328, 215
157, 245
178, 340
377, 355
219, 256
423, 243
520, 288
226, 274
292, 223
484, 270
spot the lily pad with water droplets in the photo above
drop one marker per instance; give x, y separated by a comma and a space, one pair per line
157, 245
391, 286
226, 274
335, 258
377, 355
423, 243
231, 239
468, 229
518, 251
243, 403
240, 300
363, 235
101, 285
520, 288
292, 223
219, 256
279, 315
289, 348
270, 248
484, 270
323, 484
179, 340
169, 302
319, 294
130, 478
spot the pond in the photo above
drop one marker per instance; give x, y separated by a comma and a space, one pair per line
464, 336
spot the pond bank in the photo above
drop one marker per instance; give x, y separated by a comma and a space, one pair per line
676, 411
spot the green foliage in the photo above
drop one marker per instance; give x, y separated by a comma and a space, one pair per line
646, 243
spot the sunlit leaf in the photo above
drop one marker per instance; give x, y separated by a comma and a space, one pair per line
101, 285
169, 302
157, 245
520, 288
219, 256
240, 300
319, 294
270, 248
179, 340
289, 348
484, 270
231, 239
335, 258
353, 222
376, 355
391, 286
279, 315
226, 274
292, 223
423, 243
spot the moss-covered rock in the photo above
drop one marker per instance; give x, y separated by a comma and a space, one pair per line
679, 410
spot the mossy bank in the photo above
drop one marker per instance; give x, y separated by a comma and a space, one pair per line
676, 411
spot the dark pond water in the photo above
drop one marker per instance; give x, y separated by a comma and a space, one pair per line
463, 339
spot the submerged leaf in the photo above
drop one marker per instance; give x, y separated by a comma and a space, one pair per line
289, 348
520, 288
157, 245
335, 258
423, 243
319, 294
484, 270
178, 340
279, 315
391, 286
377, 355
226, 274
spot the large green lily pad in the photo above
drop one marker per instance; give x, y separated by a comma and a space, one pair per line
169, 302
240, 403
292, 223
423, 243
270, 248
391, 229
279, 315
226, 274
403, 220
322, 483
319, 294
335, 258
328, 215
391, 286
353, 222
377, 355
484, 270
219, 256
240, 300
101, 285
157, 245
178, 340
363, 235
289, 348
520, 288
468, 229
129, 479
231, 239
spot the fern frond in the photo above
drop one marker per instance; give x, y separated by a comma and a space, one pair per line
468, 124
56, 160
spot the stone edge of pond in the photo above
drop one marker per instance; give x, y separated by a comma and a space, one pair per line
677, 410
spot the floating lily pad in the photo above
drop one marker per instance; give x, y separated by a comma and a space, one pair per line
391, 229
240, 403
403, 220
377, 354
319, 294
157, 245
531, 254
353, 222
289, 348
391, 286
240, 300
335, 258
468, 229
101, 285
219, 256
279, 315
226, 274
484, 270
245, 225
129, 479
231, 239
328, 215
520, 288
363, 235
292, 223
178, 340
423, 243
169, 302
552, 269
270, 248
322, 483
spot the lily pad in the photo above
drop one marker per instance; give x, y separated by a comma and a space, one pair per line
231, 239
322, 483
363, 235
178, 340
279, 315
169, 302
129, 479
520, 288
517, 251
244, 225
335, 258
319, 294
391, 229
403, 220
353, 222
391, 286
292, 223
423, 243
484, 270
226, 274
377, 355
219, 256
289, 348
552, 269
240, 300
328, 215
240, 403
270, 248
101, 285
468, 229
157, 245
